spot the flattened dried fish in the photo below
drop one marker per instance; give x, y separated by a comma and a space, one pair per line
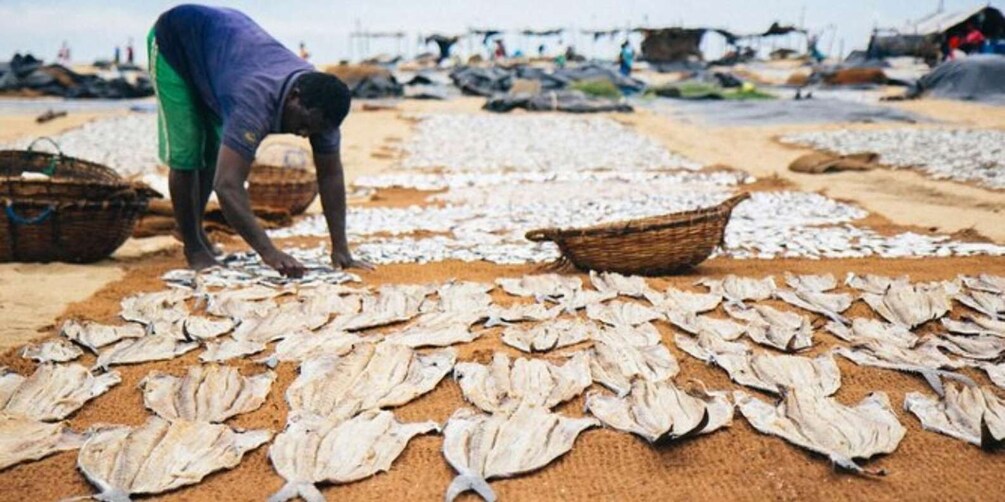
464, 296
612, 282
675, 300
504, 385
659, 411
968, 413
288, 318
228, 349
621, 313
306, 345
823, 425
615, 363
975, 325
910, 306
830, 305
145, 308
321, 305
313, 450
160, 455
768, 372
94, 336
481, 447
875, 284
989, 304
540, 286
981, 347
737, 289
549, 335
643, 335
521, 312
52, 351
580, 298
864, 330
985, 282
924, 358
204, 328
392, 304
205, 394
698, 324
52, 392
141, 350
810, 282
22, 439
238, 308
996, 372
767, 326
438, 329
369, 377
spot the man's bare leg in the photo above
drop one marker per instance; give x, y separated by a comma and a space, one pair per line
205, 190
185, 199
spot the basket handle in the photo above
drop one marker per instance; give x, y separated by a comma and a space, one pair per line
53, 162
542, 235
35, 220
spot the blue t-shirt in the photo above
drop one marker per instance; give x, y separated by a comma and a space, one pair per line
242, 74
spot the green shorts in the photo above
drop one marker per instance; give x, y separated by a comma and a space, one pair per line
188, 133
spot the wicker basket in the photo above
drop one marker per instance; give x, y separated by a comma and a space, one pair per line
290, 187
649, 246
81, 214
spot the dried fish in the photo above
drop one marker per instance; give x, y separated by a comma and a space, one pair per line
659, 411
94, 336
615, 363
769, 372
541, 286
865, 330
145, 308
228, 349
876, 284
737, 289
643, 335
699, 324
621, 313
313, 450
325, 306
981, 347
305, 345
924, 358
767, 326
910, 306
203, 328
438, 329
989, 304
52, 351
205, 394
52, 392
464, 296
985, 282
392, 304
581, 298
23, 439
368, 378
481, 447
503, 385
810, 282
549, 335
823, 425
612, 282
141, 350
975, 325
830, 305
521, 312
160, 456
675, 300
288, 318
968, 413
996, 372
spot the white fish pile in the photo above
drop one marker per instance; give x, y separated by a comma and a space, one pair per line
973, 155
454, 181
247, 268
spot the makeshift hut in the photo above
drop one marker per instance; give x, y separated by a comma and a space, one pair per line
926, 37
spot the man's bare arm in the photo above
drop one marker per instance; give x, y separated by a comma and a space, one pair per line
331, 184
231, 173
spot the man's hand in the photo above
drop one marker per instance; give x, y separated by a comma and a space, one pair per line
284, 264
344, 259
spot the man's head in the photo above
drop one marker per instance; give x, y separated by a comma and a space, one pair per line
317, 103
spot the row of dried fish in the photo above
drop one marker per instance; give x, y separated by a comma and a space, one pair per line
455, 181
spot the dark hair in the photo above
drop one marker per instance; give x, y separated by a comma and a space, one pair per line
321, 91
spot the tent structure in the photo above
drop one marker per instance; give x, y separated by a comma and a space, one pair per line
979, 77
925, 37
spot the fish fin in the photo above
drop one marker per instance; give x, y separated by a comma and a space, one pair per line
290, 491
113, 495
465, 482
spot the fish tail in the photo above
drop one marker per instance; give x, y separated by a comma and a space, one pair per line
465, 482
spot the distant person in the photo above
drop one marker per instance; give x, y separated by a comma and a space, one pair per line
540, 50
973, 40
500, 50
570, 53
117, 57
303, 52
625, 59
223, 84
130, 56
63, 56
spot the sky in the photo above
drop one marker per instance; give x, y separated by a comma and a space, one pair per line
94, 27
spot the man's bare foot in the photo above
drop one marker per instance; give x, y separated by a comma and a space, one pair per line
208, 243
198, 260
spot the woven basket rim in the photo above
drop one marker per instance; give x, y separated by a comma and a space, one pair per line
105, 170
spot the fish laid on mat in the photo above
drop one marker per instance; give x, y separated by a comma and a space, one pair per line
737, 289
698, 324
205, 394
94, 336
520, 313
989, 304
228, 348
996, 372
823, 425
764, 371
540, 286
145, 308
774, 328
581, 298
621, 313
238, 308
980, 347
864, 330
52, 392
161, 455
464, 296
438, 329
23, 439
313, 450
613, 282
924, 358
830, 305
549, 335
481, 447
675, 300
318, 304
503, 385
305, 345
660, 411
52, 351
369, 377
910, 306
615, 364
391, 304
875, 284
141, 350
288, 318
975, 325
985, 282
968, 413
643, 335
810, 282
204, 328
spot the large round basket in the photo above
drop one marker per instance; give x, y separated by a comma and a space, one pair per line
80, 212
648, 246
289, 189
